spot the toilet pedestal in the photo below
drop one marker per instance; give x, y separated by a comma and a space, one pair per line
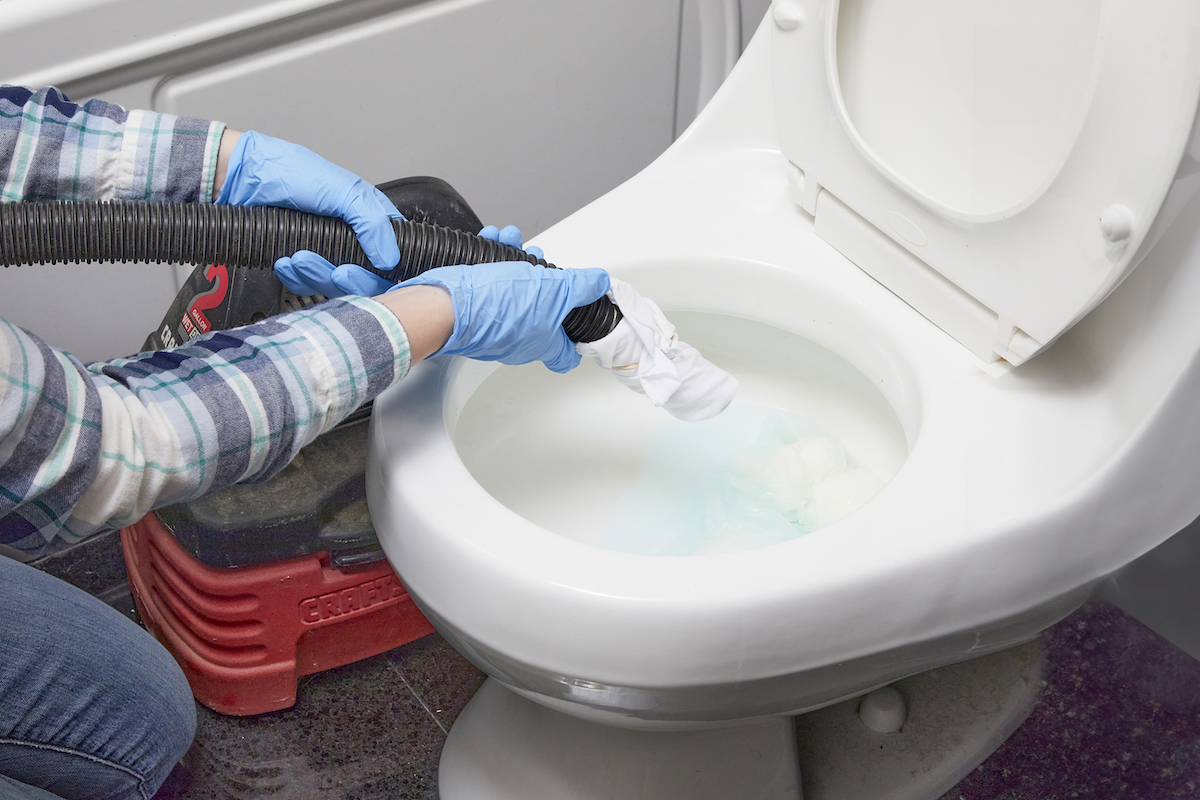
505, 747
956, 717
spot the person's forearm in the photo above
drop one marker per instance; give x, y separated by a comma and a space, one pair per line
229, 140
220, 410
427, 314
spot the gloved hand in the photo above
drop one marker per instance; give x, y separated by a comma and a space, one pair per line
510, 236
307, 273
264, 171
512, 311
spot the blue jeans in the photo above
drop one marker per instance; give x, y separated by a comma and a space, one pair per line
91, 706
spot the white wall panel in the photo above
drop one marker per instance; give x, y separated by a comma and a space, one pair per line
531, 108
57, 42
752, 14
94, 311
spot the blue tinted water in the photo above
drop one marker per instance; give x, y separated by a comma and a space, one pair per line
750, 477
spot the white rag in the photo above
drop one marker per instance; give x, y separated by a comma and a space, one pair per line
644, 353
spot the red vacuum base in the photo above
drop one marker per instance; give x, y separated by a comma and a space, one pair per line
244, 635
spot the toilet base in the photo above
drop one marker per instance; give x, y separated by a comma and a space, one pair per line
956, 717
505, 747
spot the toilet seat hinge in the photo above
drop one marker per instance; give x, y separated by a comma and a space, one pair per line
803, 190
935, 297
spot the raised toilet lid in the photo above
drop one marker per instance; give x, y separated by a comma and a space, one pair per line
998, 165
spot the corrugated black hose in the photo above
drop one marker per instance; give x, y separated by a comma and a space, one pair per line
238, 236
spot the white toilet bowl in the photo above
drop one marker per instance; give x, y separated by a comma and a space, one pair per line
1009, 492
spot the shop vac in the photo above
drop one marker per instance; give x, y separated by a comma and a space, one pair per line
255, 585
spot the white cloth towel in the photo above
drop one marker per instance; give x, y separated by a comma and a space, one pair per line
644, 353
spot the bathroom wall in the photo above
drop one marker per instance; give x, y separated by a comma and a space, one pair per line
532, 108
1162, 590
713, 34
752, 13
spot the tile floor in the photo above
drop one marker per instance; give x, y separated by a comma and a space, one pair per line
1119, 717
367, 731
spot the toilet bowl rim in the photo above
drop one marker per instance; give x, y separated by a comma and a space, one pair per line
931, 416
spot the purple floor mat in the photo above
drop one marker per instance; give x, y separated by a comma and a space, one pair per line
1119, 717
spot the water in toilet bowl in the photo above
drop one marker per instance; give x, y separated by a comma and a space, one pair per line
569, 452
751, 477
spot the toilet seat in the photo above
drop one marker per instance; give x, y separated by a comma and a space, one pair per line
881, 116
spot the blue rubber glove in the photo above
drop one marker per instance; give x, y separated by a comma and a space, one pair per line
511, 236
264, 171
512, 311
307, 273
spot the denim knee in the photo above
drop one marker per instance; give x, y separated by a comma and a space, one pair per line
91, 706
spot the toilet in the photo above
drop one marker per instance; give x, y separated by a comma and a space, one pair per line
916, 223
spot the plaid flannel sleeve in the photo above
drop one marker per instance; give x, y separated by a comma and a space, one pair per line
86, 447
89, 446
53, 149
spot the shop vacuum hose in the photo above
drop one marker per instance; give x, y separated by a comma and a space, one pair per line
240, 236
